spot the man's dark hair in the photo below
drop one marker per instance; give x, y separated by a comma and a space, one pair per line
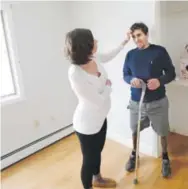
139, 26
79, 46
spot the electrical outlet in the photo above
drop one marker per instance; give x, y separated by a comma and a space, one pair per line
36, 123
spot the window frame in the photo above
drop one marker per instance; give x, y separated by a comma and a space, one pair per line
7, 44
10, 40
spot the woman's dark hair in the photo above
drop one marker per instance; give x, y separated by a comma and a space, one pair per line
139, 26
79, 46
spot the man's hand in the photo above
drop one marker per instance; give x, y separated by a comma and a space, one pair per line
153, 84
135, 82
108, 83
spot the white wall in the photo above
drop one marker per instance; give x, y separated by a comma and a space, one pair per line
49, 103
109, 22
174, 19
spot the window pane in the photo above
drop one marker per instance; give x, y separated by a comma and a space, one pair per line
7, 84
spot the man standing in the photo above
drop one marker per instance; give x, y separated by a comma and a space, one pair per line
151, 64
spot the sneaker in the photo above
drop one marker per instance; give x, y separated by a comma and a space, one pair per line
104, 183
130, 166
166, 169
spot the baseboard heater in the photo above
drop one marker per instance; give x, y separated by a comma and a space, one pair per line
35, 146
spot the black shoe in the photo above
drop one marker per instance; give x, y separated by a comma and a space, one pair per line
166, 169
130, 166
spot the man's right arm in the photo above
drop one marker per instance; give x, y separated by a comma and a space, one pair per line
127, 74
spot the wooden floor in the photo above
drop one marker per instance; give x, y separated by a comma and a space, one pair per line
58, 167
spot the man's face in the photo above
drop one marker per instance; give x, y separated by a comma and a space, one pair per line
140, 38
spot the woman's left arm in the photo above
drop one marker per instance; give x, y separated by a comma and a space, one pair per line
106, 57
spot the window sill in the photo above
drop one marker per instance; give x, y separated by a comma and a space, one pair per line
13, 99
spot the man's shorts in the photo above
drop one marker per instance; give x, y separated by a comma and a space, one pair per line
155, 112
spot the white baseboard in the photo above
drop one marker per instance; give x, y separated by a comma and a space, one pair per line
180, 131
145, 148
35, 147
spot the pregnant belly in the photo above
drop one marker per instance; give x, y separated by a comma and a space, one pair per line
92, 111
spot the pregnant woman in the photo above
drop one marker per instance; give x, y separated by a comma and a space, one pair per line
92, 87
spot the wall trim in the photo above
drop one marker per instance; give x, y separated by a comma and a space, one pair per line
35, 146
183, 132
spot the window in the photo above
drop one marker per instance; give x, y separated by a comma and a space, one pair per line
8, 83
